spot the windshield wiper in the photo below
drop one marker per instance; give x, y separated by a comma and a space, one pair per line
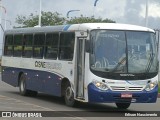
118, 65
148, 67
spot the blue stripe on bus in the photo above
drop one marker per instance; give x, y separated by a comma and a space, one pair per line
41, 81
66, 27
97, 96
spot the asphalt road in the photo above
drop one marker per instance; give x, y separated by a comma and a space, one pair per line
10, 100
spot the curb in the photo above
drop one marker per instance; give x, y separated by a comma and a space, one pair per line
158, 95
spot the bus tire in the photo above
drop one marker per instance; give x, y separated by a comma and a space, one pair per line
123, 105
22, 87
69, 95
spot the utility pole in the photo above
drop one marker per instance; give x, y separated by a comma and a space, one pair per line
0, 12
1, 28
95, 3
146, 17
40, 12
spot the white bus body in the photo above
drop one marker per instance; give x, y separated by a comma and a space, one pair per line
89, 76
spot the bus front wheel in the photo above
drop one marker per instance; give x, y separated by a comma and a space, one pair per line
69, 96
123, 105
22, 87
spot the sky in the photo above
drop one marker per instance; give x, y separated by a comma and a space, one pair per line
121, 11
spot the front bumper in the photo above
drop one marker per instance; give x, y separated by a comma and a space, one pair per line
96, 95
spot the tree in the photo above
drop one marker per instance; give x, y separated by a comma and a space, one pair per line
49, 19
83, 19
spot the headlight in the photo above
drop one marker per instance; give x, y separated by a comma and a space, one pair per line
100, 85
150, 86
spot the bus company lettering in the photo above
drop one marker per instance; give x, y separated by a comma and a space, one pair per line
48, 65
40, 64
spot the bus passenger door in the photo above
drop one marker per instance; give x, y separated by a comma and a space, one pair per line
80, 68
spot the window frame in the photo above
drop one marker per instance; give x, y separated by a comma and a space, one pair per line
53, 46
11, 45
27, 45
17, 45
67, 46
39, 46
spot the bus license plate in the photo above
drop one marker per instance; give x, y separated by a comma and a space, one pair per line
126, 95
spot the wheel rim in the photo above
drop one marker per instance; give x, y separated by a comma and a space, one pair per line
69, 94
22, 86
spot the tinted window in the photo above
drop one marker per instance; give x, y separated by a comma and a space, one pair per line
66, 47
51, 48
38, 45
8, 48
27, 45
17, 45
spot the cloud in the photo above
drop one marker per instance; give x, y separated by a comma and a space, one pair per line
123, 11
153, 22
134, 13
153, 10
108, 9
131, 12
19, 7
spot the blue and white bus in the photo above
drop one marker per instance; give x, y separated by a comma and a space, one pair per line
90, 62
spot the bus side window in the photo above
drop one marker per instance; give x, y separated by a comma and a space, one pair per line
38, 46
66, 47
27, 46
17, 48
8, 48
51, 48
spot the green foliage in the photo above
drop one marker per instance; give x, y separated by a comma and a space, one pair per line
83, 19
49, 19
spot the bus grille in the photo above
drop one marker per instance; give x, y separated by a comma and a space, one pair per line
117, 88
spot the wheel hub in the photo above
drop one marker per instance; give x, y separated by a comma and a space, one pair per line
68, 93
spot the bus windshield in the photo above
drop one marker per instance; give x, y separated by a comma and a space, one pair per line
123, 51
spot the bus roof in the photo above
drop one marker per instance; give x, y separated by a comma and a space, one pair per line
75, 27
114, 26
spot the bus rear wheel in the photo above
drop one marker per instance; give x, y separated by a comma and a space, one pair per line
69, 96
22, 87
123, 105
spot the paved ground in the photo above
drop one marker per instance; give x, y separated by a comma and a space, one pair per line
10, 100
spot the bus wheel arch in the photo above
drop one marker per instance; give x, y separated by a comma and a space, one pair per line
19, 78
67, 92
22, 86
